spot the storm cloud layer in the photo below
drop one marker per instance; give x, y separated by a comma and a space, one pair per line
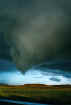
35, 31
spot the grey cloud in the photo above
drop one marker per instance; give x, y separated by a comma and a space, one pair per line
35, 31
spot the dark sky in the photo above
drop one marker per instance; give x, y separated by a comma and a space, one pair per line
35, 31
7, 66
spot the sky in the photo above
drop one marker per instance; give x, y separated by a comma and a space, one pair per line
31, 33
12, 76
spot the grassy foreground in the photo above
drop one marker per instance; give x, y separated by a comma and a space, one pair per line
38, 93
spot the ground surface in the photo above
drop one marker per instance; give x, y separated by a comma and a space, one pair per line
37, 93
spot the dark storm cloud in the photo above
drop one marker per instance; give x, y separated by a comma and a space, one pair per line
7, 66
35, 31
64, 65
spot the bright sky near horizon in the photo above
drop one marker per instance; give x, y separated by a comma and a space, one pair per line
10, 75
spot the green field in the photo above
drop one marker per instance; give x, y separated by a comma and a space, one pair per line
37, 92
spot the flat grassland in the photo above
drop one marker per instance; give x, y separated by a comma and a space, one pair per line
37, 92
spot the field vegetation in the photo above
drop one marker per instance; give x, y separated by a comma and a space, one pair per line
38, 93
